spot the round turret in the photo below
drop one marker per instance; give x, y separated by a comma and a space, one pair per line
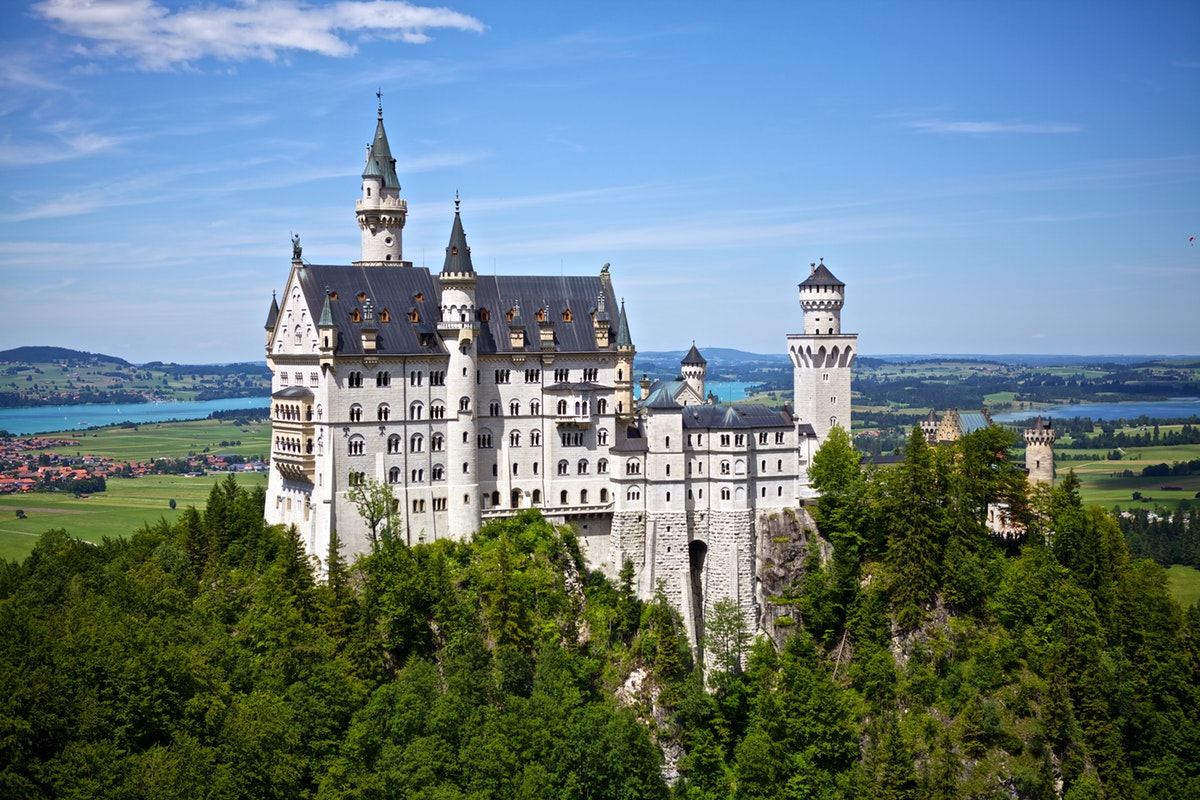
821, 297
1039, 451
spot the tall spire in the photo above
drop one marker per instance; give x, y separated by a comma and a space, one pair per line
381, 153
458, 254
623, 337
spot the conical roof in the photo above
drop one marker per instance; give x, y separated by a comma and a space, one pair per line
326, 320
458, 254
821, 276
693, 358
381, 154
623, 337
273, 314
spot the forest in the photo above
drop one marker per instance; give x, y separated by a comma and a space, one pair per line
928, 659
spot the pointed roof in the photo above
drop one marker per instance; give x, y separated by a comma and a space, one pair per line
821, 276
379, 156
273, 314
458, 254
693, 358
623, 337
326, 320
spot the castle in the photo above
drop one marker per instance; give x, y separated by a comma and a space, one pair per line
473, 397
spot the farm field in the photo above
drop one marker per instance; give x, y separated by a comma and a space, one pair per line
123, 508
1184, 583
170, 440
1098, 486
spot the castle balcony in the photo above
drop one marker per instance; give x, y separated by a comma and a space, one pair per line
299, 467
391, 204
576, 510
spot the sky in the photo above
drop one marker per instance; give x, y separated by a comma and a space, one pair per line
985, 177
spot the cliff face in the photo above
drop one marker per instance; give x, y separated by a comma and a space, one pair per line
783, 544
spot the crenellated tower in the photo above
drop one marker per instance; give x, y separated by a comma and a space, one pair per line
381, 212
822, 356
459, 332
1039, 451
694, 368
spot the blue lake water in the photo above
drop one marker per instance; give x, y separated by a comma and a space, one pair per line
44, 419
1164, 409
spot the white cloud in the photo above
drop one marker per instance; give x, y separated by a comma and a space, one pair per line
158, 38
984, 127
69, 142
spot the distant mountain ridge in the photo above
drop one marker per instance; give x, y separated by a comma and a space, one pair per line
46, 354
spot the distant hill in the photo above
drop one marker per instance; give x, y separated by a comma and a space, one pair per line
47, 355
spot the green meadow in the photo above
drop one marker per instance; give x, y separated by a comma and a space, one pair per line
1184, 583
129, 503
123, 508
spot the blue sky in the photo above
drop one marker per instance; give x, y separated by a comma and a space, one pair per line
1008, 177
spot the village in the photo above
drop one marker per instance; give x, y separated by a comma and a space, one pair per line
35, 463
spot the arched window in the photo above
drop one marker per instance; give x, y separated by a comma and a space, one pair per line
601, 406
562, 498
514, 439
724, 467
416, 443
357, 445
437, 410
602, 466
383, 412
383, 379
494, 408
537, 497
514, 408
562, 408
415, 410
535, 437
436, 443
582, 467
602, 436
535, 407
633, 467
563, 467
394, 475
583, 497
464, 404
634, 493
393, 444
495, 499
438, 472
604, 495
356, 413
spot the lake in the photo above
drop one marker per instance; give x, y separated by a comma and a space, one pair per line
44, 419
1162, 409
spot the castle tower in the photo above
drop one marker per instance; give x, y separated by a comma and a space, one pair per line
381, 212
822, 356
694, 368
1039, 452
623, 385
459, 332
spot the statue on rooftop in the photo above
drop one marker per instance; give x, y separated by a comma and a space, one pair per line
296, 247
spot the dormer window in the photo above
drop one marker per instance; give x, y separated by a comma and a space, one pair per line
453, 251
362, 296
419, 296
484, 316
566, 315
333, 296
355, 316
414, 316
541, 315
384, 316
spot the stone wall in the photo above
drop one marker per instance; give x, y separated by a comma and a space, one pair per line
783, 542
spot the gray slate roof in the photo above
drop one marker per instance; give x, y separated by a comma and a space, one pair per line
396, 289
722, 417
821, 276
693, 358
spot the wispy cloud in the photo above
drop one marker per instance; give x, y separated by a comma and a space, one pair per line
988, 126
63, 141
157, 38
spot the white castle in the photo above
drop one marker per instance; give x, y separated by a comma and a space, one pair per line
474, 397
